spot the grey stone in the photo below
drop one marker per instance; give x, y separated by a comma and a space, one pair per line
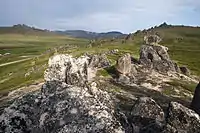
181, 120
147, 115
156, 57
146, 107
99, 61
73, 71
123, 65
185, 70
124, 79
152, 39
62, 109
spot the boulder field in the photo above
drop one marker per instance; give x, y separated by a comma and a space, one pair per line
70, 101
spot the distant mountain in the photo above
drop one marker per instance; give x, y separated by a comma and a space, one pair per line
28, 30
24, 29
91, 35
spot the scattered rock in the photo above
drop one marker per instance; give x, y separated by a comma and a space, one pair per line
124, 79
181, 120
128, 37
152, 39
195, 105
123, 65
61, 109
99, 61
185, 70
147, 115
156, 57
7, 54
114, 51
73, 71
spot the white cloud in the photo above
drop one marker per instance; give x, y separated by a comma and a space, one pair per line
102, 15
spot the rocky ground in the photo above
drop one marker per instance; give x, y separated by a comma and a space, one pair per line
74, 98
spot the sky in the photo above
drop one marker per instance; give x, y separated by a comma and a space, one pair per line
99, 15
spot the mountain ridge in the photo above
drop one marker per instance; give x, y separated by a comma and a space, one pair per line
28, 30
91, 35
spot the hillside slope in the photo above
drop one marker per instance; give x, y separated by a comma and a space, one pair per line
25, 30
91, 35
183, 43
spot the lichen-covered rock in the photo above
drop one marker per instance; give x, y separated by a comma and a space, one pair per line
123, 79
146, 107
99, 61
147, 115
61, 109
181, 120
123, 65
156, 57
195, 105
73, 71
152, 39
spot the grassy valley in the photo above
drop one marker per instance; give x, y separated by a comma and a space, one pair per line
32, 51
24, 57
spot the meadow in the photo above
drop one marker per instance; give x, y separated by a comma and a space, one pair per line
33, 53
183, 44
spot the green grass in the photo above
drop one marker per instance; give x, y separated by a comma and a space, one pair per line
29, 46
183, 44
185, 51
179, 88
107, 72
190, 86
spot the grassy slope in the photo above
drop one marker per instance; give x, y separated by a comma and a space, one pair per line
185, 51
183, 44
28, 46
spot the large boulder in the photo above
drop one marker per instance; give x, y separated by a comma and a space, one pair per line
60, 108
123, 65
195, 105
152, 39
181, 120
147, 115
156, 57
73, 71
99, 61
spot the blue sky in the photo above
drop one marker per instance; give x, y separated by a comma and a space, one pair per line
99, 15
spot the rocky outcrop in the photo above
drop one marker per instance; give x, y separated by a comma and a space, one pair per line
99, 61
146, 107
61, 109
181, 120
123, 65
147, 115
63, 105
65, 68
195, 105
152, 39
74, 71
125, 69
68, 103
156, 57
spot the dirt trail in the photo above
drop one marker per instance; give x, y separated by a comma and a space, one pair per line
13, 62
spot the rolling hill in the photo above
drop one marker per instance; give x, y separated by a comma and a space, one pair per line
23, 42
183, 43
24, 30
27, 30
92, 35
